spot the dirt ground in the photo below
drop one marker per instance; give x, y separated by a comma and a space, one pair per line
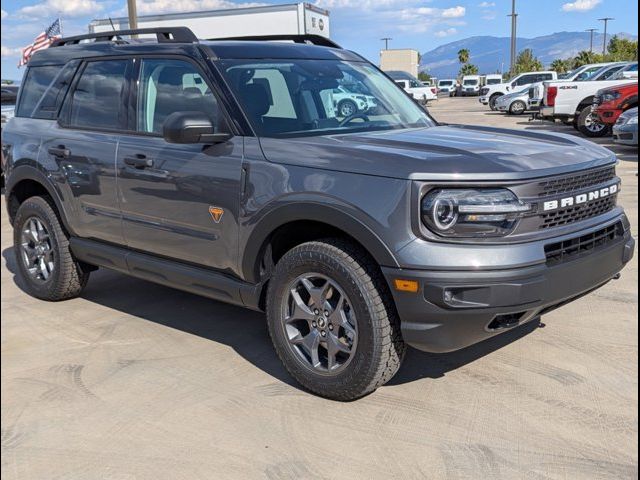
138, 381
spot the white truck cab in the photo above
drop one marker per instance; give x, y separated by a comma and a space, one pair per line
493, 79
470, 85
419, 92
490, 93
447, 86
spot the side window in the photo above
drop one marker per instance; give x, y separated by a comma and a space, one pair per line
280, 102
48, 106
609, 73
97, 100
36, 82
168, 86
526, 80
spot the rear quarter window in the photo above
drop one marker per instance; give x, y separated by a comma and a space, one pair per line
37, 80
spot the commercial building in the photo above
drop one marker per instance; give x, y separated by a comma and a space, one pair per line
405, 60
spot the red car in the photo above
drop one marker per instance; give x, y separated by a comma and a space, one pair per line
609, 103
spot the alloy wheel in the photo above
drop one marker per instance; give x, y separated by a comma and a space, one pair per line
37, 250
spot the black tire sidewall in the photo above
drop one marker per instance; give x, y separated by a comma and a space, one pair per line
37, 207
360, 367
583, 128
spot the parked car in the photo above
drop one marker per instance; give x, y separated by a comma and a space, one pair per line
625, 131
490, 93
447, 86
580, 74
220, 171
610, 103
630, 72
470, 85
417, 91
572, 102
348, 103
493, 79
513, 103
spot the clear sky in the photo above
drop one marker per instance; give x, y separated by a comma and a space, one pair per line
356, 24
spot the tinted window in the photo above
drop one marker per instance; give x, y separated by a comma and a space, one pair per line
609, 73
48, 106
97, 99
35, 84
526, 80
168, 86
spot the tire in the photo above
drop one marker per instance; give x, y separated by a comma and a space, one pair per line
517, 108
346, 108
590, 126
492, 101
64, 278
376, 349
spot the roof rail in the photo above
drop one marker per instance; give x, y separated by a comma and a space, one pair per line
305, 38
164, 35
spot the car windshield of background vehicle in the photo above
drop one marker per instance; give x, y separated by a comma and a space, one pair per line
470, 82
305, 97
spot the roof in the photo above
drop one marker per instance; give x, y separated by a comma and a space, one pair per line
221, 49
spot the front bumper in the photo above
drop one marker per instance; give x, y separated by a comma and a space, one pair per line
455, 309
625, 134
608, 116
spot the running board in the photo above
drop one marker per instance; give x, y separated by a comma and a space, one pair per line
200, 281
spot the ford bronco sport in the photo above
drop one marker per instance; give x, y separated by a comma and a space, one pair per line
224, 168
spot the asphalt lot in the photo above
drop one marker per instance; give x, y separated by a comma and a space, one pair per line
138, 381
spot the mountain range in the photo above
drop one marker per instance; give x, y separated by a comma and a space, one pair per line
491, 54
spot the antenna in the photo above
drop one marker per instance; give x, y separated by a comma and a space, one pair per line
112, 25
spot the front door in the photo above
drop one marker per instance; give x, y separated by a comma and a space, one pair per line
178, 201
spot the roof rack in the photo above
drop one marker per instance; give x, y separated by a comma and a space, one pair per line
305, 38
164, 35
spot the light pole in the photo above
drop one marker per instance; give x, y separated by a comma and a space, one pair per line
133, 14
386, 42
604, 43
514, 19
591, 30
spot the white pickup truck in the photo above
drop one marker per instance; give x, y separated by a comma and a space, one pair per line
419, 92
572, 102
580, 74
490, 93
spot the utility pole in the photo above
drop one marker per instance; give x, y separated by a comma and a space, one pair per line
133, 14
514, 19
606, 22
386, 42
591, 30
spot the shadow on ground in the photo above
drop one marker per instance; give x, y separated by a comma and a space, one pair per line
245, 330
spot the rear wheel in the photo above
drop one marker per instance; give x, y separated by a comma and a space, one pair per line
332, 320
347, 108
517, 108
45, 263
590, 125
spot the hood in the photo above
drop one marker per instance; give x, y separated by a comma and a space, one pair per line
452, 152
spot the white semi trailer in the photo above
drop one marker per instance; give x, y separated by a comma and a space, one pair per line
289, 19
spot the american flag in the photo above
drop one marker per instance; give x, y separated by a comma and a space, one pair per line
41, 42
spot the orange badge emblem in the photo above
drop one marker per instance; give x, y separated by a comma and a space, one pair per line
216, 213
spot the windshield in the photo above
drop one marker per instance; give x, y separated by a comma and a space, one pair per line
494, 81
445, 83
298, 97
470, 82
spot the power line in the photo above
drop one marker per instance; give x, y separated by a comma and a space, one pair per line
386, 42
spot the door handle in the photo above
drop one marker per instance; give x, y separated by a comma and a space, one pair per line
60, 151
139, 161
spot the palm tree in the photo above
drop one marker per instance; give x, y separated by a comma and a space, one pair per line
585, 57
560, 65
527, 62
468, 69
463, 56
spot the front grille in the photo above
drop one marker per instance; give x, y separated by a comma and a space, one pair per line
577, 213
576, 182
568, 249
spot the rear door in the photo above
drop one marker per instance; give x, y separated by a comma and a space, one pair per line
82, 146
183, 202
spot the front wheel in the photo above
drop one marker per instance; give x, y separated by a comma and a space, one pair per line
46, 265
517, 108
347, 108
590, 125
492, 102
332, 320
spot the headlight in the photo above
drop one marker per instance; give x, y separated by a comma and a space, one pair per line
609, 96
472, 213
633, 120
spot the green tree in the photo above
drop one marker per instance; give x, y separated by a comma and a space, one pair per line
526, 61
621, 50
463, 56
585, 57
424, 77
468, 69
561, 66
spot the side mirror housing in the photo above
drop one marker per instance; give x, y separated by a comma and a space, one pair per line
191, 127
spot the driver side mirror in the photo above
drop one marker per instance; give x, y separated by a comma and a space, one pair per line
191, 127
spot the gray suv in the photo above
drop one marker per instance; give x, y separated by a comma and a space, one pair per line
224, 168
